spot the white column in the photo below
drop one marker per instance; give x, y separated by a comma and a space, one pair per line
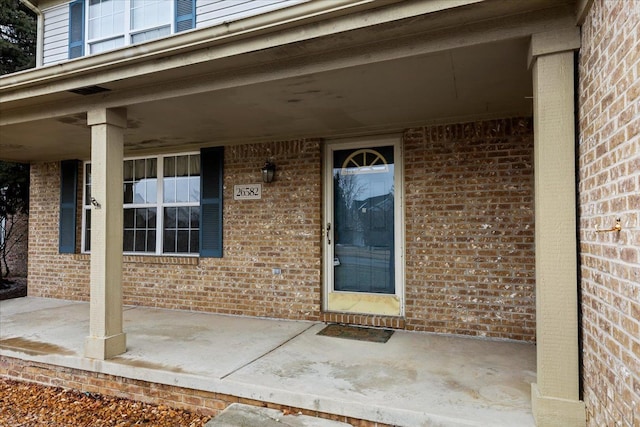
555, 395
106, 338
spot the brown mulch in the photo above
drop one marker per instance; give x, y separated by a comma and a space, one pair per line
15, 287
29, 405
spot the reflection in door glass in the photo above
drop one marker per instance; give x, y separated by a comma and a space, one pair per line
364, 220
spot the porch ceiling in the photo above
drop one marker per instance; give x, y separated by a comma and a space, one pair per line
443, 68
491, 80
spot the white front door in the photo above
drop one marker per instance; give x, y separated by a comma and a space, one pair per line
363, 233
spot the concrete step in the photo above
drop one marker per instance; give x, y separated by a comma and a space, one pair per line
240, 415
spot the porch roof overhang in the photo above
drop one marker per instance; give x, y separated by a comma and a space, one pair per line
358, 68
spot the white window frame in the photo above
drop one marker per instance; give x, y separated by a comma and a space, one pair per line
159, 206
128, 32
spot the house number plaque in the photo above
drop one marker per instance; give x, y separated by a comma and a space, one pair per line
247, 192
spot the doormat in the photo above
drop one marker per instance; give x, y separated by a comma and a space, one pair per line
357, 333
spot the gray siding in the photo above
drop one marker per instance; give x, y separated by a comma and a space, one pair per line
56, 34
214, 12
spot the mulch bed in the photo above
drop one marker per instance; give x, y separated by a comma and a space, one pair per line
16, 288
30, 405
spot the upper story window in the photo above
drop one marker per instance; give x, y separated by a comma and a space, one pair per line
115, 23
99, 25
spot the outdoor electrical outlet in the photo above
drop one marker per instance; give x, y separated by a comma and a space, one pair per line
276, 271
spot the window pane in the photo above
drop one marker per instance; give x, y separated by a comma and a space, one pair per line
169, 241
106, 45
181, 229
169, 190
182, 166
139, 230
140, 182
151, 218
129, 218
150, 34
140, 168
150, 13
182, 189
151, 191
94, 8
194, 165
106, 7
127, 170
128, 192
87, 230
194, 189
183, 241
141, 218
137, 16
170, 215
183, 217
152, 168
195, 217
87, 184
139, 190
151, 241
169, 166
141, 240
194, 244
127, 245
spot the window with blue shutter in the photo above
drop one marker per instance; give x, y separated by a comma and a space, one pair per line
146, 22
185, 15
211, 173
68, 196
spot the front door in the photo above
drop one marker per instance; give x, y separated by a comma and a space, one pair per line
363, 233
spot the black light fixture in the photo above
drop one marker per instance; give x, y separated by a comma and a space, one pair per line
268, 171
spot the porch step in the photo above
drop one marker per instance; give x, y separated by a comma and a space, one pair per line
241, 415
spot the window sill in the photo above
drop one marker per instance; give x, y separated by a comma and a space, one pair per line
149, 259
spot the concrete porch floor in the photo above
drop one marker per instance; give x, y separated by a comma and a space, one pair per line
414, 379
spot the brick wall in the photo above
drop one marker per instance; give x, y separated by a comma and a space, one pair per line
282, 230
470, 229
609, 188
50, 274
469, 234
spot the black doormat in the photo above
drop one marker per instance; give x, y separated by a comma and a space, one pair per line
357, 333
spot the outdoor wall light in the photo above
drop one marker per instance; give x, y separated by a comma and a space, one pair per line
268, 171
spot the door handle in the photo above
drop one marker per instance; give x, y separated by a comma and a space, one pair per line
328, 233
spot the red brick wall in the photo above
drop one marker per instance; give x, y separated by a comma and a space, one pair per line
470, 229
469, 234
609, 187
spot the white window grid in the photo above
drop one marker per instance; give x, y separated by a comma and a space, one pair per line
159, 205
128, 34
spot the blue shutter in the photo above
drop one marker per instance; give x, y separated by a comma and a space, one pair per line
211, 176
68, 192
76, 29
185, 15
